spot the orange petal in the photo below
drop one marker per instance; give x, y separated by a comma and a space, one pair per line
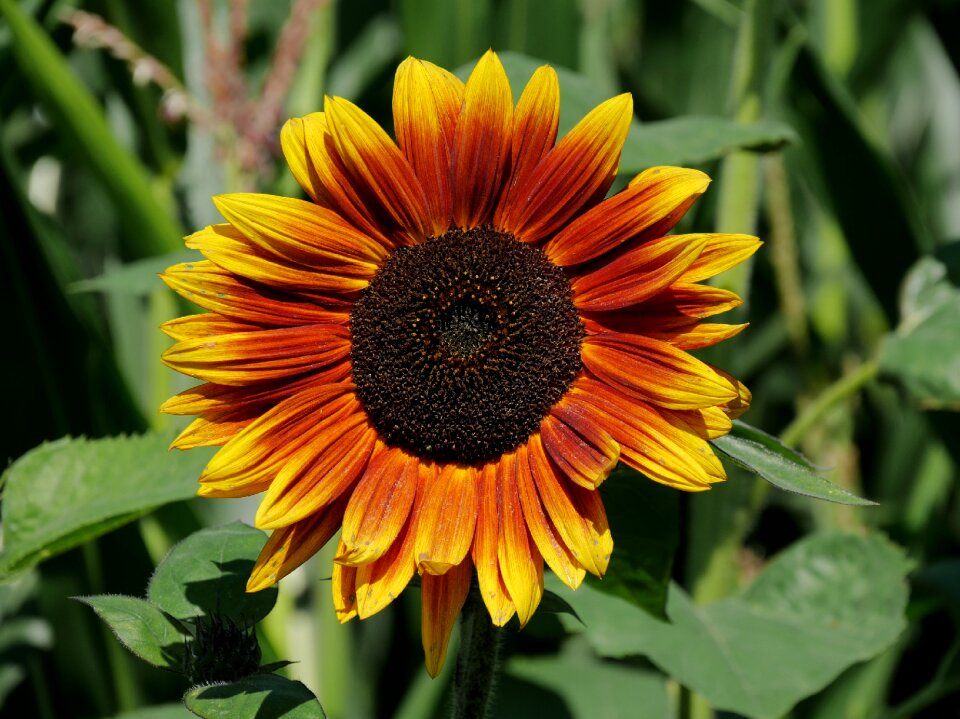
213, 399
230, 249
534, 129
203, 432
578, 171
632, 277
578, 446
550, 544
379, 506
377, 168
426, 104
443, 597
323, 174
521, 565
720, 253
654, 371
243, 358
486, 542
381, 581
289, 547
448, 518
707, 423
344, 586
481, 158
741, 404
692, 335
588, 542
310, 480
259, 452
304, 233
208, 285
208, 324
652, 204
664, 452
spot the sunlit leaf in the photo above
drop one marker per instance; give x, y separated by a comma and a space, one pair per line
67, 492
141, 627
781, 466
207, 574
260, 695
825, 603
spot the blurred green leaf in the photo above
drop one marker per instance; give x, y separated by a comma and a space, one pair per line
583, 687
447, 33
923, 354
64, 493
374, 50
781, 466
161, 711
141, 627
828, 601
76, 114
644, 520
138, 277
207, 574
261, 695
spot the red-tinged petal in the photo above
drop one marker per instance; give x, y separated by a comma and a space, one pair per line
634, 276
339, 454
534, 129
304, 233
379, 506
521, 565
654, 371
244, 358
588, 542
210, 286
344, 586
381, 581
329, 184
741, 404
213, 399
208, 324
652, 204
447, 521
692, 335
289, 547
549, 542
481, 158
426, 104
377, 168
575, 173
720, 253
260, 451
486, 541
203, 432
648, 443
578, 446
443, 597
234, 252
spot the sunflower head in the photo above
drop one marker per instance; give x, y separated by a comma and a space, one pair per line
446, 349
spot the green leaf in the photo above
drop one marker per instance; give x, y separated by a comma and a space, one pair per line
829, 601
160, 711
260, 695
78, 116
579, 684
67, 492
679, 141
923, 354
553, 603
138, 277
644, 520
207, 573
781, 466
141, 627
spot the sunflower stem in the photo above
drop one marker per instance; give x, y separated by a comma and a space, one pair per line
477, 661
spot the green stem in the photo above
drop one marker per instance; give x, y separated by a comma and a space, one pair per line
844, 387
477, 661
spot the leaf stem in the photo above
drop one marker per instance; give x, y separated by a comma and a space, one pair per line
844, 387
477, 661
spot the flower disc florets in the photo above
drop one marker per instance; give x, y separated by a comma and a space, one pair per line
461, 345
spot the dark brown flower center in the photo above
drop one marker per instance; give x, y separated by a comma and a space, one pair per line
461, 345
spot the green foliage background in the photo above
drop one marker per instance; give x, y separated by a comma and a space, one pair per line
830, 129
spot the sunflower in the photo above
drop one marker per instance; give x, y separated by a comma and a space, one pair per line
449, 347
